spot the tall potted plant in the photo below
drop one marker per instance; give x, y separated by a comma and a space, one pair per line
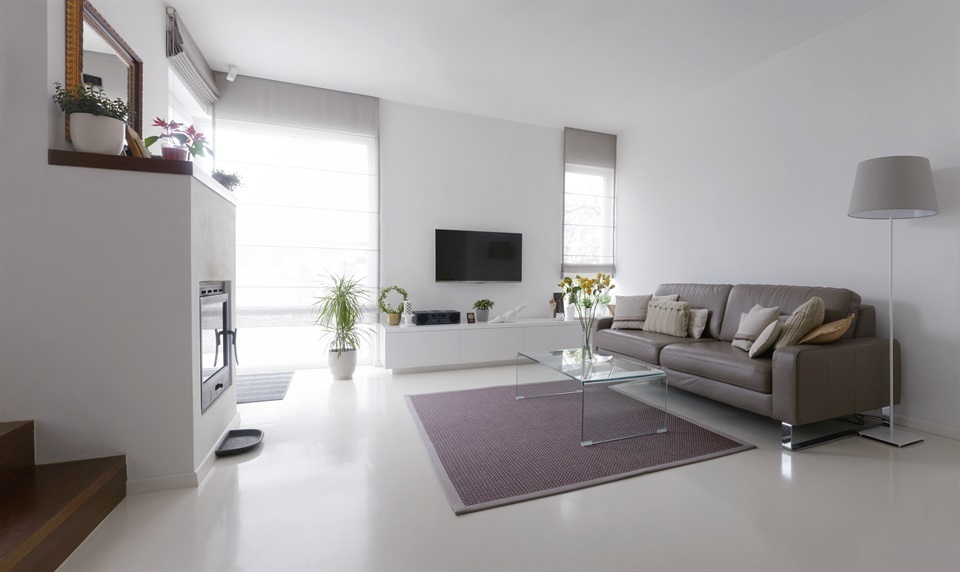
98, 124
340, 315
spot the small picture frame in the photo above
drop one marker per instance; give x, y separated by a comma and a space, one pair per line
471, 319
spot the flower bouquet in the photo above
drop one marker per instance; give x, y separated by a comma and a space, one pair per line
586, 294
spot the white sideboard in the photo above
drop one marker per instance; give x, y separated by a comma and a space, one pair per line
456, 345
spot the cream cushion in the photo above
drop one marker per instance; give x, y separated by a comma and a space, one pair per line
804, 319
632, 310
752, 324
667, 317
766, 339
697, 322
828, 333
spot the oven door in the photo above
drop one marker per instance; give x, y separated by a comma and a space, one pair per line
214, 347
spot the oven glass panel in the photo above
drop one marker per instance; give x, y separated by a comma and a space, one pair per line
212, 350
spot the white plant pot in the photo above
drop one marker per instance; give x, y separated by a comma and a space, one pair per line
342, 366
97, 134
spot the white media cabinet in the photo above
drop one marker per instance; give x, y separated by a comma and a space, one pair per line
456, 345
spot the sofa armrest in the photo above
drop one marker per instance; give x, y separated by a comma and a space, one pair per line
603, 323
817, 382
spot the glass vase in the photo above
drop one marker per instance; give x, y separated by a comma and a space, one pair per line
587, 343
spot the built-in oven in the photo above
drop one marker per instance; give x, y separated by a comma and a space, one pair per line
217, 342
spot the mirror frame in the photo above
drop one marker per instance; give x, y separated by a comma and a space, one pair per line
78, 12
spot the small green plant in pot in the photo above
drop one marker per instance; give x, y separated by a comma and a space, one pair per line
97, 123
482, 307
392, 312
179, 141
340, 315
230, 181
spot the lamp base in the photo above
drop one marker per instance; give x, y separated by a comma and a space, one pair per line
891, 436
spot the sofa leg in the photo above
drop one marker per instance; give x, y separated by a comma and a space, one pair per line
788, 441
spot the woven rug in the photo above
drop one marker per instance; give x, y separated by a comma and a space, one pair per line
253, 387
490, 449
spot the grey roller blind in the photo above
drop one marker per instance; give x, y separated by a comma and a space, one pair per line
589, 200
278, 103
188, 62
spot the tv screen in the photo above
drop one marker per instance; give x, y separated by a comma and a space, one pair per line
474, 256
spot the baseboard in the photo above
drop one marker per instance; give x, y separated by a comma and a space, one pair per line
204, 469
926, 426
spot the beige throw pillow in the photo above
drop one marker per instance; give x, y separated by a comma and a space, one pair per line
766, 339
697, 322
804, 319
828, 333
667, 317
632, 310
752, 324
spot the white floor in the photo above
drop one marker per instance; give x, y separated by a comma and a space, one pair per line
342, 482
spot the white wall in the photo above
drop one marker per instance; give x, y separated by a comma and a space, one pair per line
448, 170
750, 183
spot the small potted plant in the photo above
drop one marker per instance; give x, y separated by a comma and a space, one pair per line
392, 312
98, 124
340, 315
230, 181
178, 141
483, 309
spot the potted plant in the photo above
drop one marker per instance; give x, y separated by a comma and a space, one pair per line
392, 312
230, 181
340, 315
482, 307
97, 123
178, 141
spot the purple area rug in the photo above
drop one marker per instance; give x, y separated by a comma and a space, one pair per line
490, 449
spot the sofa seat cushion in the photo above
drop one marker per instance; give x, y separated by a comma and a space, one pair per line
643, 345
722, 362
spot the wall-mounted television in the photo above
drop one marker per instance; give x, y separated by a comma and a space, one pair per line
475, 256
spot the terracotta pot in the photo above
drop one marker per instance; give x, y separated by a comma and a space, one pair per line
97, 133
174, 153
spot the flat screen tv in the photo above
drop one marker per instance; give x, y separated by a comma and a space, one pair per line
474, 256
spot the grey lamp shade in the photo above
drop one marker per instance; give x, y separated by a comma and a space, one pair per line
900, 186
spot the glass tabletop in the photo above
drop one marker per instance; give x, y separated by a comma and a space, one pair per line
604, 370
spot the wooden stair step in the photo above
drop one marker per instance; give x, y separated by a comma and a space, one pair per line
16, 447
46, 511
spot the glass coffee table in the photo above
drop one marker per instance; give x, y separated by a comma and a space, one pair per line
604, 415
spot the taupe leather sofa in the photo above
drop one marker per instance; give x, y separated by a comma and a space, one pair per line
795, 385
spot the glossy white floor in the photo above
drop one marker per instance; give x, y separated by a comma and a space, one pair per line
342, 482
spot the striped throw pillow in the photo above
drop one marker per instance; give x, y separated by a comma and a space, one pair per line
666, 317
804, 319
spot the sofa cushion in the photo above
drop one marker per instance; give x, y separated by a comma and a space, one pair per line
838, 303
713, 297
720, 361
828, 333
697, 322
766, 339
752, 324
633, 310
667, 317
804, 319
644, 346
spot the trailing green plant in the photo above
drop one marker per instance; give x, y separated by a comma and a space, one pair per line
382, 301
86, 98
230, 181
174, 132
482, 304
340, 312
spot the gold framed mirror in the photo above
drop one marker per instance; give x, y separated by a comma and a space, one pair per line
108, 55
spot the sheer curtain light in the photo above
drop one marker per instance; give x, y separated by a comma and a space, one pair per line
893, 188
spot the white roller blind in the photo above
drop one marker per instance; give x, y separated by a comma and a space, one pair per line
188, 62
278, 103
589, 202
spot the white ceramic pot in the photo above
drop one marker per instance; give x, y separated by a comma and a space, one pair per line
483, 315
342, 366
97, 134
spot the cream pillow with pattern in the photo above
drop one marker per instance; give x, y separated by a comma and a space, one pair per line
667, 317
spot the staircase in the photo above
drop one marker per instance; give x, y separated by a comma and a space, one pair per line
47, 510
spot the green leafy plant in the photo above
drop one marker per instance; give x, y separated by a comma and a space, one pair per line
86, 98
230, 181
174, 132
482, 304
382, 301
340, 312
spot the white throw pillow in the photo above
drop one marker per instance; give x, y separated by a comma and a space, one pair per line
697, 322
631, 312
766, 339
752, 324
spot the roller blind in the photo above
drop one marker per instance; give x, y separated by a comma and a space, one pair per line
589, 202
188, 62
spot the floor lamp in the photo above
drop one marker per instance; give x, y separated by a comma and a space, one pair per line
889, 188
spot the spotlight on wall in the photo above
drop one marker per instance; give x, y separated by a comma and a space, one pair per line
232, 73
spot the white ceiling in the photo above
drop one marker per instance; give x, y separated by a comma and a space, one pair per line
593, 65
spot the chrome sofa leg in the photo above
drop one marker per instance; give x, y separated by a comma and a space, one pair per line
788, 440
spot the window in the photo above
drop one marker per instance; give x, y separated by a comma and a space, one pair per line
589, 201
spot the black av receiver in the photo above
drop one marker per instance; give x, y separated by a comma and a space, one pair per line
434, 317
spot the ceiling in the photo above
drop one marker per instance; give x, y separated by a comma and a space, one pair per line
602, 66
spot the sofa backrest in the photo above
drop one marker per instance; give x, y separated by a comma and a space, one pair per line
713, 297
838, 303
